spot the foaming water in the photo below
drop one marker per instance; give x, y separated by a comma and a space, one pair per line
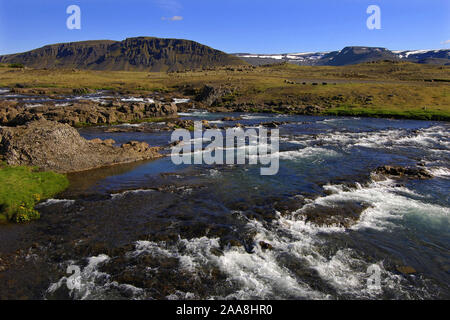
316, 230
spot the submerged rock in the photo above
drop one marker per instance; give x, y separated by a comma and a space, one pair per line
406, 269
59, 147
342, 214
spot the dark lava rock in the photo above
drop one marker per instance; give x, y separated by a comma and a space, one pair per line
341, 214
265, 245
403, 172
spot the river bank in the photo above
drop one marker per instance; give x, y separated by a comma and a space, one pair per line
385, 89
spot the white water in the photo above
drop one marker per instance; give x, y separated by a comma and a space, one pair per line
122, 194
49, 202
261, 274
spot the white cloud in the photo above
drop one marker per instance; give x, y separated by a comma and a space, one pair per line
169, 5
174, 18
446, 42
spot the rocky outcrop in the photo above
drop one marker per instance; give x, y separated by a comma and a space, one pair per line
403, 172
85, 113
211, 95
59, 147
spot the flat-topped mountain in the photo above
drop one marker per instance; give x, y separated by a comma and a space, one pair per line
133, 54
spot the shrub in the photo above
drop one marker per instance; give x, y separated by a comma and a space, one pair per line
16, 65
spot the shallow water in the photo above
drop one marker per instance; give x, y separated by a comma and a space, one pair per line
156, 230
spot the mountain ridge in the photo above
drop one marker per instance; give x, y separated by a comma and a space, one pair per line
350, 55
169, 55
131, 54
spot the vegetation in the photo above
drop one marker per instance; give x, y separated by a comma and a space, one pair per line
384, 89
16, 65
21, 188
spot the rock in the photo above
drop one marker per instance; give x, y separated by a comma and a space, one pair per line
86, 113
313, 109
265, 245
272, 124
96, 140
82, 91
217, 252
234, 243
406, 270
109, 142
342, 214
210, 95
136, 146
183, 124
231, 119
59, 147
403, 172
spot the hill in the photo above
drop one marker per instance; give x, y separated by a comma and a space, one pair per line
133, 54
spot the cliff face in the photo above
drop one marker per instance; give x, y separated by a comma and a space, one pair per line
133, 54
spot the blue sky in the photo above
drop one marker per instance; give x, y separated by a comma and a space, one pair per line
256, 26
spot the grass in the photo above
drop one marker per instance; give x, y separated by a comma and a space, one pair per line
21, 188
397, 89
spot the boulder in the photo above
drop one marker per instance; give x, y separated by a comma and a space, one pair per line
59, 147
211, 95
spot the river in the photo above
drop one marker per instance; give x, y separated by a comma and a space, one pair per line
154, 230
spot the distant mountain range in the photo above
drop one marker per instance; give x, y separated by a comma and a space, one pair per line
133, 54
348, 56
157, 54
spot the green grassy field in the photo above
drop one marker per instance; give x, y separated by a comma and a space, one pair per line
384, 89
21, 188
